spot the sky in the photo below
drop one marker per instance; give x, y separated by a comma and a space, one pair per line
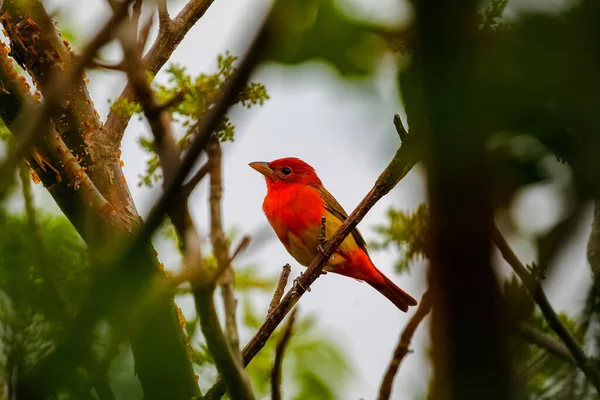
344, 129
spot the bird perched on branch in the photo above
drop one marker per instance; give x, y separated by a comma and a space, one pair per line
295, 204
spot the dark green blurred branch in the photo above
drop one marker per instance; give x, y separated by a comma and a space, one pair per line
402, 348
539, 296
546, 342
279, 352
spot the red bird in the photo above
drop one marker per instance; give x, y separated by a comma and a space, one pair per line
295, 202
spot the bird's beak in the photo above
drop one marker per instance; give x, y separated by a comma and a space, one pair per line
262, 167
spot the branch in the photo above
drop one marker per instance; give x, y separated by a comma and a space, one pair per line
402, 348
539, 296
401, 164
31, 126
221, 248
546, 342
169, 36
228, 365
283, 279
278, 361
163, 15
135, 17
190, 185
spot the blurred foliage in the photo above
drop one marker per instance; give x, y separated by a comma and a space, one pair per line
406, 232
4, 132
305, 30
198, 94
42, 282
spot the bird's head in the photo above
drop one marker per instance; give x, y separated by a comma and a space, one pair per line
287, 171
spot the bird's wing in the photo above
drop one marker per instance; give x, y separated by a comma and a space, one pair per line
337, 210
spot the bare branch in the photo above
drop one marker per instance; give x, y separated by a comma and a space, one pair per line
221, 248
402, 348
400, 165
190, 185
539, 296
283, 279
279, 352
241, 247
400, 128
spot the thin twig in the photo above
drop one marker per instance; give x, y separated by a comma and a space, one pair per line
402, 348
539, 296
279, 352
401, 164
190, 185
221, 248
173, 101
241, 247
283, 279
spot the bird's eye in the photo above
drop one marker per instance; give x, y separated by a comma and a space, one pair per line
286, 171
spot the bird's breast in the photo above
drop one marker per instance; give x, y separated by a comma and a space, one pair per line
295, 214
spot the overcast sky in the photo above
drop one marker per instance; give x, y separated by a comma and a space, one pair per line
344, 129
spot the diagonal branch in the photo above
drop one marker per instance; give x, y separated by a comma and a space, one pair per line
402, 348
279, 352
546, 342
401, 164
539, 296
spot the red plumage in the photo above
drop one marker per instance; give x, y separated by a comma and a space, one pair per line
294, 205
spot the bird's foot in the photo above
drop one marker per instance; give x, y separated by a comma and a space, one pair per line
297, 282
321, 249
323, 272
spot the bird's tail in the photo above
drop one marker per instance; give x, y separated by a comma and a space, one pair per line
389, 289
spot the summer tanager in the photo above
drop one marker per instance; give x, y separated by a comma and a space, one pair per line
294, 205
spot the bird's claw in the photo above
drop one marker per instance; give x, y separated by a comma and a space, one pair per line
323, 272
321, 249
297, 282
